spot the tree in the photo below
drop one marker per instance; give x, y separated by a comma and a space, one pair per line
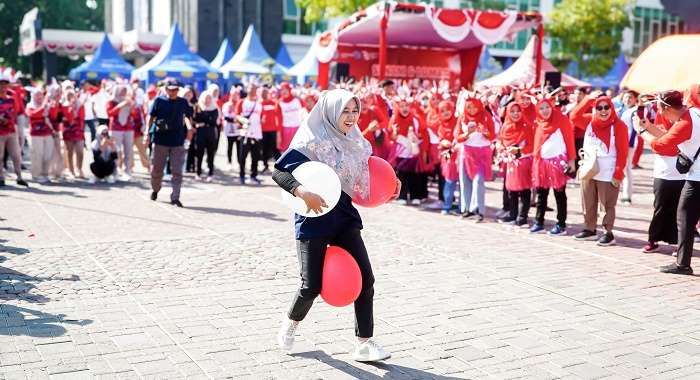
58, 14
589, 32
317, 10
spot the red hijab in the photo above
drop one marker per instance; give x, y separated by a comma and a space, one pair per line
289, 96
529, 112
602, 128
480, 115
514, 132
546, 127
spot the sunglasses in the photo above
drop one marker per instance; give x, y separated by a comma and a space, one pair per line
604, 107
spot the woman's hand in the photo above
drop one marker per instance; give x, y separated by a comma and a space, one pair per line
397, 191
615, 182
313, 201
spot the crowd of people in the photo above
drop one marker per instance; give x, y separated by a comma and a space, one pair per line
537, 139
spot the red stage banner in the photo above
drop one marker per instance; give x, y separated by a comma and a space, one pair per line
401, 63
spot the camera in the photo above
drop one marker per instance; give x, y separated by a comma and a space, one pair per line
162, 125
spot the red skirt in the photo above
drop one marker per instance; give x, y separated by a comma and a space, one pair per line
448, 168
549, 173
477, 160
519, 174
287, 136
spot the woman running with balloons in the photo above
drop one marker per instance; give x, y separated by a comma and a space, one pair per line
329, 147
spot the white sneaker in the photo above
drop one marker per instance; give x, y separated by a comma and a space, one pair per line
111, 179
675, 254
285, 337
125, 178
370, 351
415, 202
92, 180
402, 201
208, 179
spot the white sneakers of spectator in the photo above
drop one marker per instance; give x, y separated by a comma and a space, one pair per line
366, 350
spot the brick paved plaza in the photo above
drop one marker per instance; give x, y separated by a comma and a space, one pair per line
101, 282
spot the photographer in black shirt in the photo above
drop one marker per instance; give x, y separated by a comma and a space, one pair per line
169, 120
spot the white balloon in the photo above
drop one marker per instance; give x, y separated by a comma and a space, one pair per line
317, 178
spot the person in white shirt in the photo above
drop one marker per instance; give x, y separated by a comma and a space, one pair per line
250, 109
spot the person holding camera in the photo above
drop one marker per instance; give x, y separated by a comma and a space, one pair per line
169, 121
676, 133
105, 154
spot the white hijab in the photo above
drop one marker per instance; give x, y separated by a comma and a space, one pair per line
320, 139
202, 101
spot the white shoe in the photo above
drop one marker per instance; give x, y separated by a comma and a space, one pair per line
402, 201
415, 202
285, 337
208, 179
92, 180
111, 179
125, 178
370, 351
675, 254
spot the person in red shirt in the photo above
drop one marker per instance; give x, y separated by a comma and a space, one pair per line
446, 122
121, 125
271, 122
383, 100
553, 158
678, 132
41, 131
72, 130
515, 143
606, 137
474, 133
374, 127
22, 122
410, 151
290, 110
8, 136
137, 115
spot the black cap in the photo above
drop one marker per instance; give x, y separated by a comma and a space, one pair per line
387, 82
171, 83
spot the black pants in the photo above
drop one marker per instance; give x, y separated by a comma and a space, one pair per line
231, 141
206, 141
663, 225
413, 185
191, 163
687, 218
247, 146
524, 197
269, 147
560, 197
507, 201
311, 254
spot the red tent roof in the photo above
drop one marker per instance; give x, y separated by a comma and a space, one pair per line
418, 25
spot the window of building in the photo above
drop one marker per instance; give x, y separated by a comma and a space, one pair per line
650, 24
294, 21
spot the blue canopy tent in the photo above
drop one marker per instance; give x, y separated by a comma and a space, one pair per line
251, 58
224, 54
613, 77
307, 68
174, 59
105, 63
509, 63
283, 57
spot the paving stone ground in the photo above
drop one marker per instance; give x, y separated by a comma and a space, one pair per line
100, 282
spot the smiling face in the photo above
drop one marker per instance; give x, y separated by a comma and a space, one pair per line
524, 102
404, 108
445, 111
515, 114
348, 118
472, 109
545, 110
603, 110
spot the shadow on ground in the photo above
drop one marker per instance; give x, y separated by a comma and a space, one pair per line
393, 371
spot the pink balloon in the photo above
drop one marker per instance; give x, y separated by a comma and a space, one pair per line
342, 281
382, 183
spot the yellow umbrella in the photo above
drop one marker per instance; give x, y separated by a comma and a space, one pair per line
670, 63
